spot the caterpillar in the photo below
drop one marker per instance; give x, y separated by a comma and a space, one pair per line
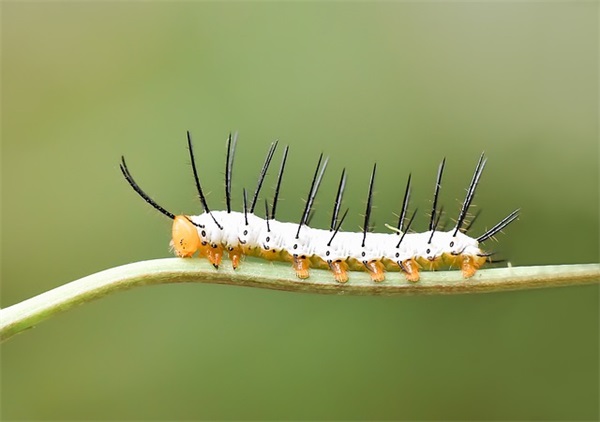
213, 234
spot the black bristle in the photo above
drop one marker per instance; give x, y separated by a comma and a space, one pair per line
337, 228
404, 206
262, 175
279, 179
500, 226
140, 192
338, 200
436, 193
229, 169
245, 204
470, 193
407, 227
197, 180
312, 193
369, 205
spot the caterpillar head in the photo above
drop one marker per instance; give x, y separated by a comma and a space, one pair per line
185, 240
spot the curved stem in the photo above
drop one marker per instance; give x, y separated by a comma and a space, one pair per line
30, 312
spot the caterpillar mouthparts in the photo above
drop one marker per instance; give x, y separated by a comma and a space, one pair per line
237, 234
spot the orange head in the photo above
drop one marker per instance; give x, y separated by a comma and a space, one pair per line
185, 237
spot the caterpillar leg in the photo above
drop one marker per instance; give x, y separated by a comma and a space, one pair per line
470, 264
214, 253
301, 265
376, 270
235, 255
339, 269
410, 268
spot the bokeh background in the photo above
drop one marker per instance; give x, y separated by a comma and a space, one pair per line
402, 84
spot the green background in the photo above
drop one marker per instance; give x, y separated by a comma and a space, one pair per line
402, 84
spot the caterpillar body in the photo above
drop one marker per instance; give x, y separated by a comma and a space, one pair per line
237, 234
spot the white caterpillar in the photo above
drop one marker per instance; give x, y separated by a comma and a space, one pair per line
244, 233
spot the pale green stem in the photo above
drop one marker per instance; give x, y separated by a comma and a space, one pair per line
30, 312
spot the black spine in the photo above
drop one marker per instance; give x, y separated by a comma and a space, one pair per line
404, 206
279, 179
407, 228
267, 215
338, 227
435, 225
472, 221
139, 190
369, 205
262, 175
470, 193
436, 193
312, 193
338, 200
229, 169
245, 206
500, 226
197, 180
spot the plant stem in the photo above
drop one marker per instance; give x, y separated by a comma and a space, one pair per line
30, 312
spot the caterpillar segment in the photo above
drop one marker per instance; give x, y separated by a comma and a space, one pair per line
231, 238
370, 252
399, 254
332, 253
299, 245
229, 241
320, 248
213, 234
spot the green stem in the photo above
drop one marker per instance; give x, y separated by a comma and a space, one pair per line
30, 312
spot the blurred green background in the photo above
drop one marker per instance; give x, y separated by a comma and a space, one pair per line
402, 84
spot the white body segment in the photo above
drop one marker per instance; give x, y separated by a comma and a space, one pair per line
281, 236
